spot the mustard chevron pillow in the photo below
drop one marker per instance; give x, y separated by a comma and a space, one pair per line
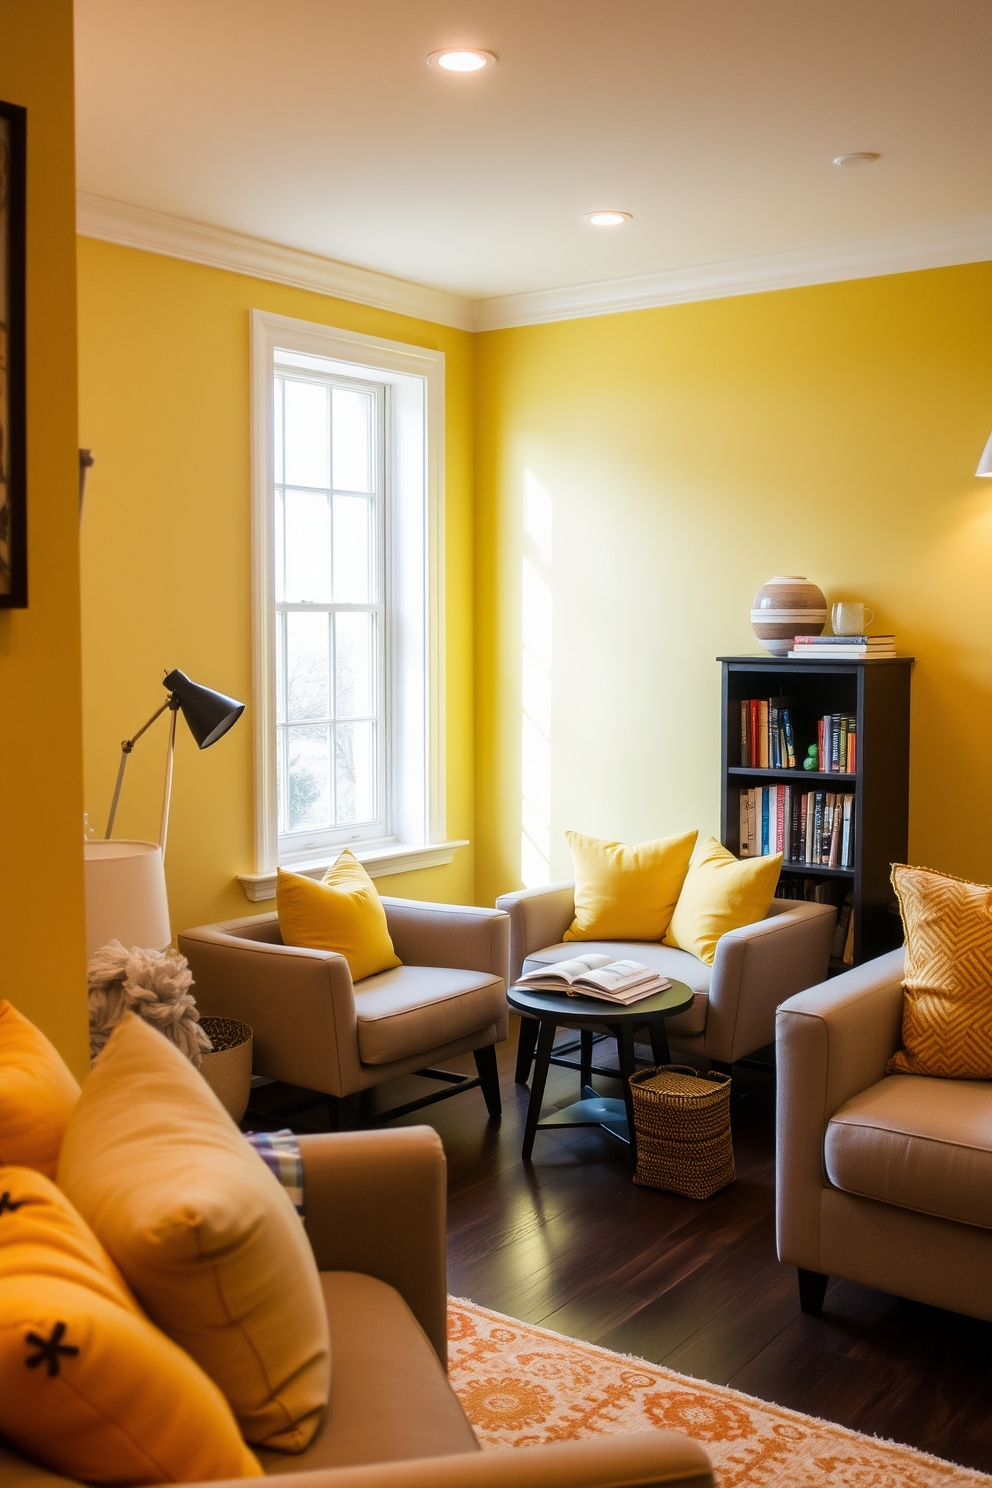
947, 983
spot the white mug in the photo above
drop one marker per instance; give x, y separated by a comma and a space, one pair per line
850, 617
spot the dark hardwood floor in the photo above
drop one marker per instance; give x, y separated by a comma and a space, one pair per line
570, 1242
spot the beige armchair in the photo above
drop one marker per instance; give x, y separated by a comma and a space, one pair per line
882, 1179
375, 1215
313, 1027
734, 1002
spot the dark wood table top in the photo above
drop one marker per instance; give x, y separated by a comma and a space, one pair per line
587, 1010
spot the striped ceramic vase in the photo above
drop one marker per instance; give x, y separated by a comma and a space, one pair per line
787, 607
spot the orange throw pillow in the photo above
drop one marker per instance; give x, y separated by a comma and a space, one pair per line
947, 984
88, 1386
37, 1094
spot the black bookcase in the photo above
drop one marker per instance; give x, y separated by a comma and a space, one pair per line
877, 693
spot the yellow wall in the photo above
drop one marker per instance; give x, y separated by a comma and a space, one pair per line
687, 454
42, 922
164, 403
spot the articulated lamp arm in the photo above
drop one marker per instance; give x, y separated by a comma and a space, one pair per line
171, 702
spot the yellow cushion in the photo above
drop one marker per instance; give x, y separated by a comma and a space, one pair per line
204, 1234
342, 913
947, 983
721, 893
37, 1094
626, 893
110, 1398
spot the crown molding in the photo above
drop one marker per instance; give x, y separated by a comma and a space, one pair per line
197, 242
866, 258
890, 253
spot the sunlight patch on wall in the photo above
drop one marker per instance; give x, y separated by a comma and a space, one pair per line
536, 632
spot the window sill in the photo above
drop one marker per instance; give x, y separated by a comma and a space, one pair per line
378, 862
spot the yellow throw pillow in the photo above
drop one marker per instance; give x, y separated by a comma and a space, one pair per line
37, 1094
626, 893
342, 913
947, 982
88, 1386
721, 893
204, 1234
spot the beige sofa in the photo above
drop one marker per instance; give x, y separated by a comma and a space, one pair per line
375, 1215
882, 1179
734, 1002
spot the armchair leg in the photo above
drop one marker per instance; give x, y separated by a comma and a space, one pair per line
812, 1290
485, 1063
345, 1112
526, 1044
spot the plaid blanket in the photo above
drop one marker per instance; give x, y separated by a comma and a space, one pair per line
280, 1152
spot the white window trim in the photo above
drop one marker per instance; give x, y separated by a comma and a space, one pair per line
389, 855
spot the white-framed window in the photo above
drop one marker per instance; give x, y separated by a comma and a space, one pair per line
347, 601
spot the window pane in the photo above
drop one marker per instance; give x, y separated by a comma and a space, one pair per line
280, 667
309, 778
354, 664
306, 434
351, 440
277, 434
308, 547
352, 555
280, 766
279, 515
308, 670
355, 772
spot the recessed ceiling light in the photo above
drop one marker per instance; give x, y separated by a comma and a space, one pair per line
861, 157
607, 219
461, 60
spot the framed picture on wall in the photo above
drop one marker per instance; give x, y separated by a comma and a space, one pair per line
13, 423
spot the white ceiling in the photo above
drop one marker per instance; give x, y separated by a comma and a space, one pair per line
317, 124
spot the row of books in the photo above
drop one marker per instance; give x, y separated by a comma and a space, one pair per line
842, 648
811, 827
768, 740
836, 749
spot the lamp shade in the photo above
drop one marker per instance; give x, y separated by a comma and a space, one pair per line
985, 463
125, 895
209, 714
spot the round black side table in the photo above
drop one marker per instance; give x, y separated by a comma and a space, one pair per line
554, 1010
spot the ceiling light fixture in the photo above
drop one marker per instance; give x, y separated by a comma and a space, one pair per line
461, 59
607, 219
860, 157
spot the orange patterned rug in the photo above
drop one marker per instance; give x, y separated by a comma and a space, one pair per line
520, 1386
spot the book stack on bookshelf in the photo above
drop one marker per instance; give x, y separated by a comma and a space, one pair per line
811, 828
847, 648
836, 747
767, 736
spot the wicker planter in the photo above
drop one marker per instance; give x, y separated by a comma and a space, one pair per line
682, 1120
227, 1068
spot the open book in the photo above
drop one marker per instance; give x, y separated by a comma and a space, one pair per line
594, 975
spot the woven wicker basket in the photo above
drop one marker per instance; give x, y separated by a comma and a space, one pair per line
682, 1120
227, 1068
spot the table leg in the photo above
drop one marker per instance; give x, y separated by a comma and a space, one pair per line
659, 1041
624, 1035
542, 1062
585, 1062
525, 1049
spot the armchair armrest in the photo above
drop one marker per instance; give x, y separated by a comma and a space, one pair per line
300, 1003
375, 1202
538, 918
831, 1042
426, 934
758, 967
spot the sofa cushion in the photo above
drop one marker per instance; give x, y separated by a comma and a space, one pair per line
626, 892
921, 1143
679, 966
342, 913
721, 893
416, 1008
38, 1094
390, 1397
203, 1233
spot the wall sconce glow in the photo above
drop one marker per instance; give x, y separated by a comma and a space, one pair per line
860, 157
607, 219
985, 463
461, 60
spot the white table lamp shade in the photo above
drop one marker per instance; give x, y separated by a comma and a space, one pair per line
125, 895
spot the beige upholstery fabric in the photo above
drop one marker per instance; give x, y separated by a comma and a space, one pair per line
755, 968
412, 1008
390, 1398
918, 1142
833, 1044
678, 965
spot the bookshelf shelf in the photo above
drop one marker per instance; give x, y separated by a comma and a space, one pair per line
877, 693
